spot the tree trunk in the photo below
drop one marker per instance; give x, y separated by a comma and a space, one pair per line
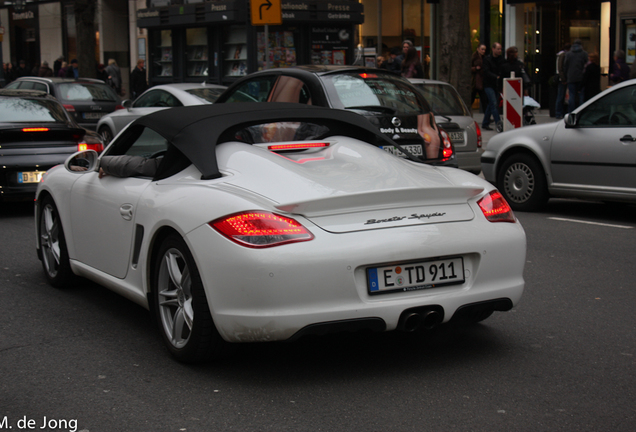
455, 49
85, 25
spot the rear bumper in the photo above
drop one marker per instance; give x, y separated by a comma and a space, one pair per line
273, 294
470, 160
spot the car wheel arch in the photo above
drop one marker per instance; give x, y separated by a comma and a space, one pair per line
519, 149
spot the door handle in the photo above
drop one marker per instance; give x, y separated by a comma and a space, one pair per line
126, 211
628, 138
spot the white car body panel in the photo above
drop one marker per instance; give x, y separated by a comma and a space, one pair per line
271, 294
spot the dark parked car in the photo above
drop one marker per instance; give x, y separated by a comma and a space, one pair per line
86, 99
388, 101
452, 114
36, 133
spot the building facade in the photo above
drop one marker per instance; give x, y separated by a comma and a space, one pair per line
215, 41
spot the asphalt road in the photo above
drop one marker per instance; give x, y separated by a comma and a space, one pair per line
85, 359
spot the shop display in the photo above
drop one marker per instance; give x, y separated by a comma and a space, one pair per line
163, 54
235, 49
282, 51
197, 49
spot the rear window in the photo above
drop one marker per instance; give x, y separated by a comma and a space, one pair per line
87, 92
361, 90
281, 132
443, 99
207, 95
21, 110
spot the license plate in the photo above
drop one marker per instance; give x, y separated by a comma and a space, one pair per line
93, 115
456, 136
415, 276
30, 176
415, 149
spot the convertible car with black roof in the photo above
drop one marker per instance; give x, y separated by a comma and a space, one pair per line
267, 222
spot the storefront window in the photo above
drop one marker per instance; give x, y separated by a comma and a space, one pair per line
197, 51
282, 49
235, 48
329, 45
163, 53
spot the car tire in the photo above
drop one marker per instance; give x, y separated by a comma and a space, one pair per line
523, 183
181, 305
107, 134
52, 244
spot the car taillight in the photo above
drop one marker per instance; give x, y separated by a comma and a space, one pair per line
495, 208
297, 146
69, 108
365, 75
118, 107
35, 129
447, 151
98, 147
261, 229
478, 131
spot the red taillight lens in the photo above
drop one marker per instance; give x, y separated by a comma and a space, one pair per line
368, 75
69, 108
118, 107
297, 146
495, 208
261, 229
478, 131
447, 151
98, 147
35, 129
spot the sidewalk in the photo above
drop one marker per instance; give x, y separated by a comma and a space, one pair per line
540, 115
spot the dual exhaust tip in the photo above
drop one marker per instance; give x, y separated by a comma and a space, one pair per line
422, 318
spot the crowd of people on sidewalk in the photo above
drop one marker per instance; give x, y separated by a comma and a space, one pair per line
577, 78
405, 61
110, 74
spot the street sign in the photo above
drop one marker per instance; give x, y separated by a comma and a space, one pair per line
266, 12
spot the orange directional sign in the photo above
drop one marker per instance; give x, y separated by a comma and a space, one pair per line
266, 12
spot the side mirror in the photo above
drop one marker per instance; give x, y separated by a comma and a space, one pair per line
81, 162
570, 120
127, 103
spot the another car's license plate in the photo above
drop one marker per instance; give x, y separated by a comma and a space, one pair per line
93, 115
30, 176
415, 276
456, 136
415, 149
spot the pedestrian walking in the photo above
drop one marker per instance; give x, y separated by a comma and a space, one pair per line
476, 70
57, 65
412, 66
620, 69
45, 70
72, 70
561, 82
592, 77
395, 62
574, 66
21, 70
138, 83
492, 74
114, 75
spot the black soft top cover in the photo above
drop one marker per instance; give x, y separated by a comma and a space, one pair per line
196, 130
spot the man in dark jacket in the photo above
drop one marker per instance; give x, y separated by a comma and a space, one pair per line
573, 67
138, 83
73, 69
492, 74
562, 81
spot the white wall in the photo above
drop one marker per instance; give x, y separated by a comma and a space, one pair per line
50, 21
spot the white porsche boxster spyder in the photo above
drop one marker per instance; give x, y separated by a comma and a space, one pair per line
265, 222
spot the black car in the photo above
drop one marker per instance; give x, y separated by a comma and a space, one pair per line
86, 99
36, 133
388, 101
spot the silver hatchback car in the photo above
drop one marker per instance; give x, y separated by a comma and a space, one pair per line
452, 115
590, 154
